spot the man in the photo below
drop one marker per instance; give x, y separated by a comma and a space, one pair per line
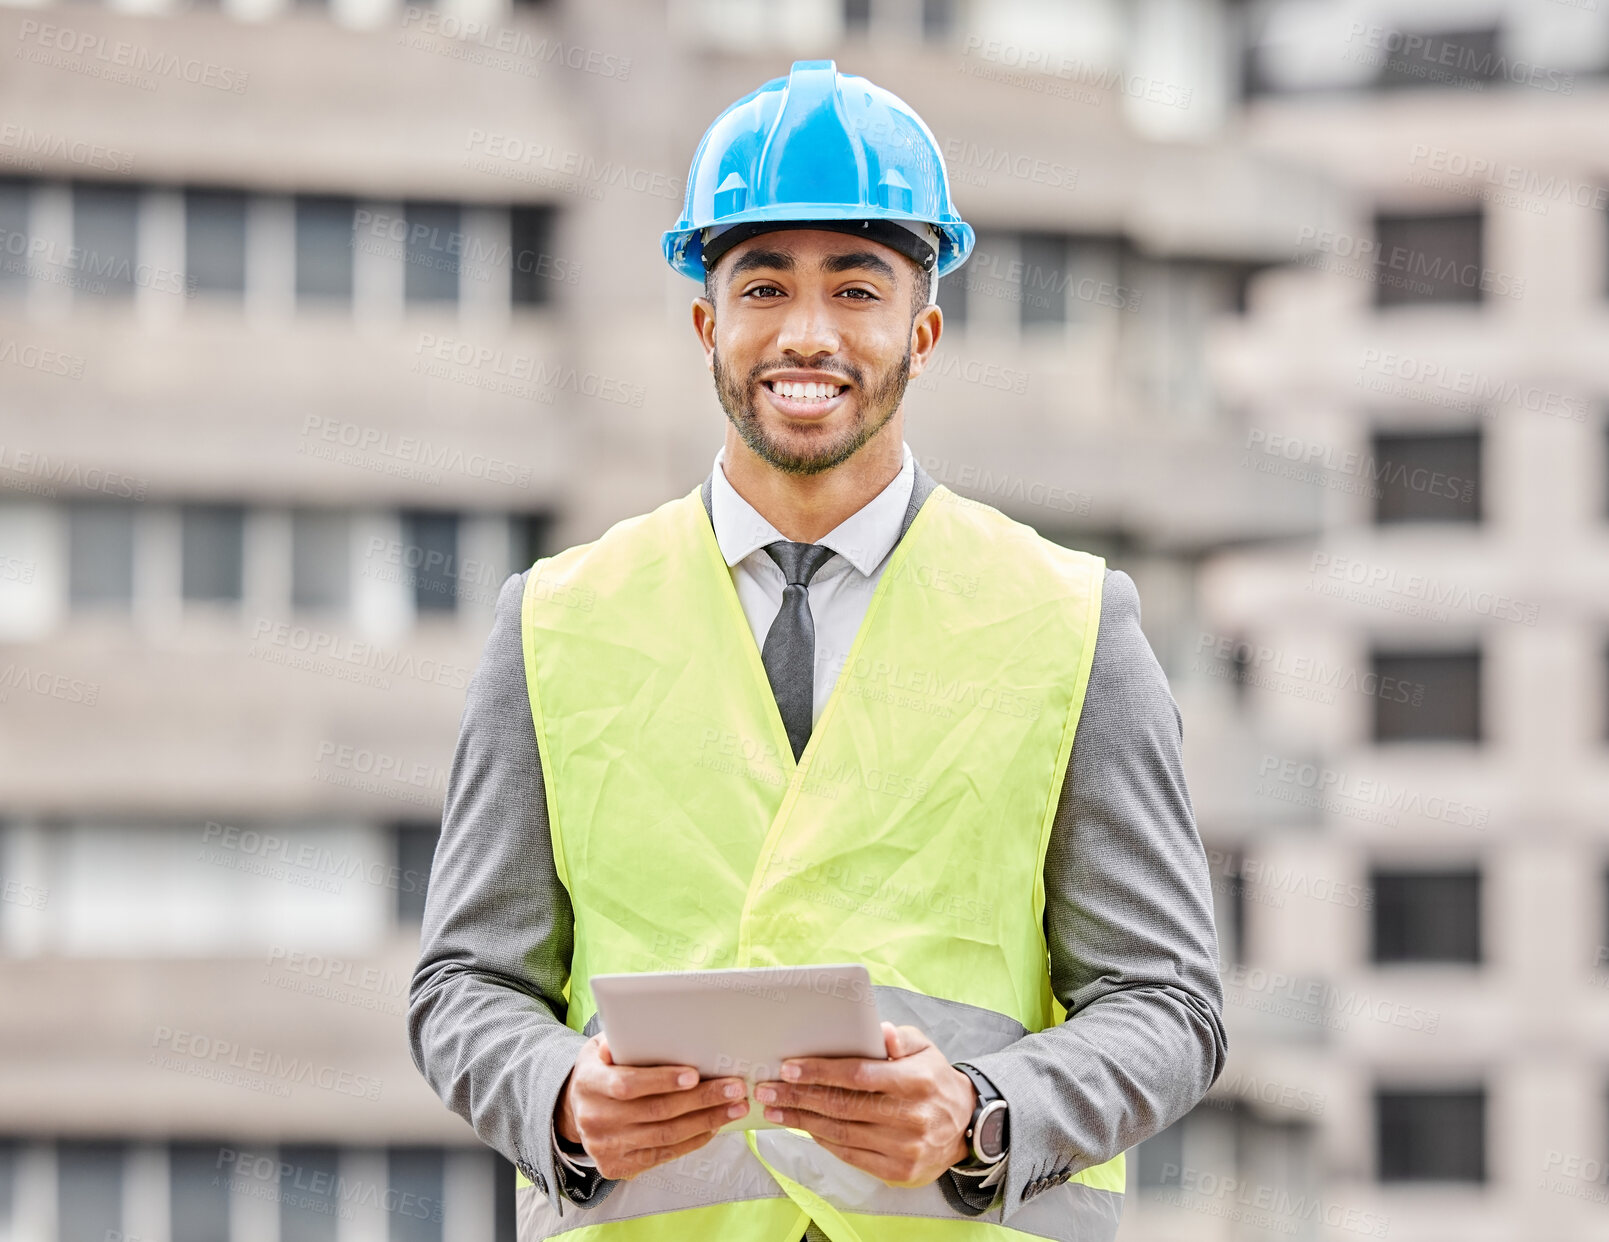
822, 709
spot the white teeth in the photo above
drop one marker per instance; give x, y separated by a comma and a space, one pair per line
804, 392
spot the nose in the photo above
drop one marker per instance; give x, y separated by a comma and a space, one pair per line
807, 330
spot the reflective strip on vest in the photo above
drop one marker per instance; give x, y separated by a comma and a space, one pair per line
910, 836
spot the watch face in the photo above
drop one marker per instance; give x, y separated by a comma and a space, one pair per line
992, 1133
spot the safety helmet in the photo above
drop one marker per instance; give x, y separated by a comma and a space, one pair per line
825, 147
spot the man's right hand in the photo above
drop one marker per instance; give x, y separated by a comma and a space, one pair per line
630, 1118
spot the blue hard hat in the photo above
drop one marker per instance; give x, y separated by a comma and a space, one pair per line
825, 147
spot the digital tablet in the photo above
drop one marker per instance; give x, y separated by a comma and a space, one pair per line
742, 1021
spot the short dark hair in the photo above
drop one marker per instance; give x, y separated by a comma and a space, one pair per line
920, 294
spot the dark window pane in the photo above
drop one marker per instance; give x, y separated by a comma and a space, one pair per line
215, 239
533, 268
308, 1204
531, 539
435, 252
1427, 477
320, 559
416, 1180
1429, 258
938, 18
14, 193
1604, 693
1427, 916
89, 1191
1161, 1159
857, 15
1439, 58
430, 554
199, 1188
105, 236
1427, 696
952, 298
416, 847
100, 554
8, 1178
213, 552
1043, 284
503, 1187
1433, 1136
324, 237
1229, 903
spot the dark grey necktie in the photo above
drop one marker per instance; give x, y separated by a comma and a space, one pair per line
789, 653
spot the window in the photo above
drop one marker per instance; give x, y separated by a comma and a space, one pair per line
503, 1186
938, 19
1427, 696
1427, 916
952, 299
1426, 476
857, 16
308, 1206
1431, 1136
1043, 283
1161, 1159
416, 849
531, 539
215, 240
430, 552
100, 554
320, 560
416, 1176
1229, 904
198, 1193
105, 236
8, 1180
1428, 259
13, 231
324, 242
213, 552
532, 268
435, 252
1439, 59
89, 1190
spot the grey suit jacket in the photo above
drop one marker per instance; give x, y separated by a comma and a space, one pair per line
1128, 921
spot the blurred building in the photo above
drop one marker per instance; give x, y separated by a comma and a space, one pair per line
317, 321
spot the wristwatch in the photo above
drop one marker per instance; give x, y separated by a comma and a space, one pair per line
987, 1134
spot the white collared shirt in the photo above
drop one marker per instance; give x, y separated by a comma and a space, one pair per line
841, 590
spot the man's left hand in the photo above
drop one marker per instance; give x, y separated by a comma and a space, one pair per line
903, 1120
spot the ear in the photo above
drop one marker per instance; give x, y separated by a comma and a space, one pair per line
704, 329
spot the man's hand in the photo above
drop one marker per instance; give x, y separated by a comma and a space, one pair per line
630, 1118
902, 1120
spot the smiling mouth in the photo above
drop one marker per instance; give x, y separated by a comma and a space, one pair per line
819, 392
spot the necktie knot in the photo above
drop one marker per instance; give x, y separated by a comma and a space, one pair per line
798, 561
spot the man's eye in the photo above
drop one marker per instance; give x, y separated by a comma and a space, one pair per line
758, 288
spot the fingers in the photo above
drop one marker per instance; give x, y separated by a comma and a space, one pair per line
869, 1073
847, 1073
631, 1164
635, 1149
840, 1102
633, 1082
674, 1130
865, 1136
903, 1041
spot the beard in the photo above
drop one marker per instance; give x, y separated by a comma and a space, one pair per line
820, 450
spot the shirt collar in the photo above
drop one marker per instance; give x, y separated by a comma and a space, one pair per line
863, 538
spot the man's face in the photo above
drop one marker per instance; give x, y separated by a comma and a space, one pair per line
811, 306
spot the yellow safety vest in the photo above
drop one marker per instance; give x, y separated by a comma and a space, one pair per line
910, 836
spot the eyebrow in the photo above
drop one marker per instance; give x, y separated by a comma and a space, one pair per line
782, 261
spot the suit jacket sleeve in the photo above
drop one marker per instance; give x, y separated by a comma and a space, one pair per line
1128, 922
486, 1005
